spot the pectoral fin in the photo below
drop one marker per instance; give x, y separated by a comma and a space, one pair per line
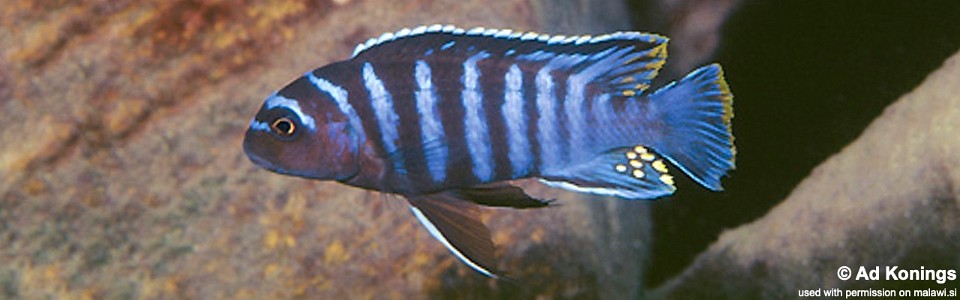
455, 222
502, 195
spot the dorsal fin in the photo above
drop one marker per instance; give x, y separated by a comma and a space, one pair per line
509, 34
620, 62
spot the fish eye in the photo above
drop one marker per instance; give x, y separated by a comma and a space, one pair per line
283, 126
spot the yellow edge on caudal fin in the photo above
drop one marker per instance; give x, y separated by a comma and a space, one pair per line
727, 99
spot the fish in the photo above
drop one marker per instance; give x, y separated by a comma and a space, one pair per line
446, 117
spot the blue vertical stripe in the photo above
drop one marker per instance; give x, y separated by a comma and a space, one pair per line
383, 110
608, 126
574, 107
516, 121
431, 129
339, 96
547, 123
478, 137
576, 123
603, 110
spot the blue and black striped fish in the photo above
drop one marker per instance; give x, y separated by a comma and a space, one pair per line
443, 116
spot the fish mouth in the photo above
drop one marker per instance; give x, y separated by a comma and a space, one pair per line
259, 161
270, 166
256, 159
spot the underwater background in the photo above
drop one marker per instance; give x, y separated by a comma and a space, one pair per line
122, 174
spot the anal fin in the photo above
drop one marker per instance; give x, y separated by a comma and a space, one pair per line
630, 173
456, 223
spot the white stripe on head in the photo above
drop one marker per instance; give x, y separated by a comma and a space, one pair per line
430, 126
280, 101
478, 137
340, 96
443, 240
259, 126
516, 121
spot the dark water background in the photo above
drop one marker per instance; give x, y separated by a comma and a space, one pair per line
808, 77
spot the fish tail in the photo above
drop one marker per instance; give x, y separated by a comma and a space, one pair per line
695, 131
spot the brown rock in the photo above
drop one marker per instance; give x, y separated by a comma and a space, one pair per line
122, 175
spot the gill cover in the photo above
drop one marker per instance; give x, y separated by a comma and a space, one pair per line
300, 131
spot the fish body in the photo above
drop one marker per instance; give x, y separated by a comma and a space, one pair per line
443, 116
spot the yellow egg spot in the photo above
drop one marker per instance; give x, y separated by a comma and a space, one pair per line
629, 93
641, 86
647, 156
638, 174
636, 163
631, 155
659, 166
640, 149
621, 168
627, 79
666, 179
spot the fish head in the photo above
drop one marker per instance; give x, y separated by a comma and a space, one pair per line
301, 132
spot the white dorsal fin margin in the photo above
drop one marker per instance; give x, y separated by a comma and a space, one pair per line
506, 34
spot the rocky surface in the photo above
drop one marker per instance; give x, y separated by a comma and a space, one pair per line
122, 175
891, 198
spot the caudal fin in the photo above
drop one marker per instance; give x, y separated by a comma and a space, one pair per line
696, 133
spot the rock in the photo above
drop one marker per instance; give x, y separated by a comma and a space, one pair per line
122, 173
889, 199
692, 25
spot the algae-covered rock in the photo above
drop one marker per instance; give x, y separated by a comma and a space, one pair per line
889, 199
122, 173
